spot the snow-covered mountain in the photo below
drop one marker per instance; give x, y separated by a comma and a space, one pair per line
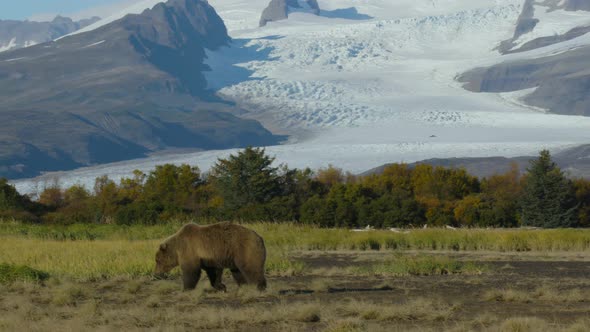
17, 34
369, 82
555, 70
549, 22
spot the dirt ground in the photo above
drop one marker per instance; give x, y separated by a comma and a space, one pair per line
516, 292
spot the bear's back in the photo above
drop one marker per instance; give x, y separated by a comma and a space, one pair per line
219, 244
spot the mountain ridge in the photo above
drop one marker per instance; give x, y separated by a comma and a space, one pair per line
575, 162
363, 84
17, 34
121, 91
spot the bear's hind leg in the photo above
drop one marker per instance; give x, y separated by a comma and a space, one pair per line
261, 285
254, 276
190, 276
238, 277
215, 276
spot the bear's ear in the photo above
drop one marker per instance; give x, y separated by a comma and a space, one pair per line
163, 246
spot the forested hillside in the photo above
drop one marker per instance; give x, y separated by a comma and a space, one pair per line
248, 187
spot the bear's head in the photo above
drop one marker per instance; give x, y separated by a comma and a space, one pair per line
166, 259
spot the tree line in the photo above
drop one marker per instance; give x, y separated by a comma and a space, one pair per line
248, 186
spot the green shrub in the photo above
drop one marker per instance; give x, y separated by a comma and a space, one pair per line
366, 244
10, 273
19, 215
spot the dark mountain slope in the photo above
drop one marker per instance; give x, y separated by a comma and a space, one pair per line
527, 23
118, 92
574, 161
562, 81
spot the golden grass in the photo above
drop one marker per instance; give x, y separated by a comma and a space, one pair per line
100, 259
113, 253
107, 259
320, 284
542, 293
100, 278
581, 325
303, 237
347, 325
75, 306
84, 260
490, 323
161, 305
289, 236
524, 324
419, 309
92, 260
424, 265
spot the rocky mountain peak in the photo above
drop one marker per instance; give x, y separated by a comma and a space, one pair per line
184, 21
279, 9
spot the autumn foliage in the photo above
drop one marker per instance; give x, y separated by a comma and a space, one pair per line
249, 186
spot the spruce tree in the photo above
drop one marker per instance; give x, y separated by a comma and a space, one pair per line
9, 197
548, 199
247, 178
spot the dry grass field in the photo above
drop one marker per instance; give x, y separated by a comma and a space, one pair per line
100, 278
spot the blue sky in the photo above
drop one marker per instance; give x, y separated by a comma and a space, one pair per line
23, 9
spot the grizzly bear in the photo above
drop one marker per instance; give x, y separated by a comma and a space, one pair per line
213, 248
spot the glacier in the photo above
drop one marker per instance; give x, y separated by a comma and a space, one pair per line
369, 82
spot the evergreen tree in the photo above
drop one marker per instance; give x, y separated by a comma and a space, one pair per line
318, 211
16, 206
582, 189
247, 178
548, 199
9, 197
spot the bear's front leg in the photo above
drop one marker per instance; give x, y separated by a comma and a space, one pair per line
215, 276
191, 273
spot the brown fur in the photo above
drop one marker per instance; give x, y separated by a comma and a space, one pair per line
213, 248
